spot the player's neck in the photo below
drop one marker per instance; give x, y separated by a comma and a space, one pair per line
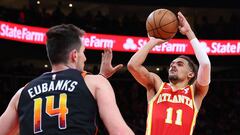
178, 85
60, 67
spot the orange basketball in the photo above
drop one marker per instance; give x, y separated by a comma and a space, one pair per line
162, 23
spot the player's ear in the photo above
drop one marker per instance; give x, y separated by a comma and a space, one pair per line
191, 74
73, 55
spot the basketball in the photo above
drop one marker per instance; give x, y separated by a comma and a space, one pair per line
162, 23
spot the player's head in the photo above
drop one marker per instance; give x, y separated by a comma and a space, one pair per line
182, 68
64, 45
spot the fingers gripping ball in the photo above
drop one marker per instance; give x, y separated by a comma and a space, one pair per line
162, 23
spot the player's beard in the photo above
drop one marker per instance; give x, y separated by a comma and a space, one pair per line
173, 78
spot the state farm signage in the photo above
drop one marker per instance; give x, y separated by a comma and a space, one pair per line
222, 47
36, 35
22, 33
94, 42
171, 47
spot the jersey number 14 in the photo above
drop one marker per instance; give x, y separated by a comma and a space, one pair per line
61, 111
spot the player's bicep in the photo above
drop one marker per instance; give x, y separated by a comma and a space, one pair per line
9, 119
108, 109
143, 76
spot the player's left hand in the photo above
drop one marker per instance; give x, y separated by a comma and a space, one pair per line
106, 67
184, 26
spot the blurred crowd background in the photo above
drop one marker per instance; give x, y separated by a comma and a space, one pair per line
220, 111
214, 22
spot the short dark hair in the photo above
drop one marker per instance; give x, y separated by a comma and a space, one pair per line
61, 40
193, 66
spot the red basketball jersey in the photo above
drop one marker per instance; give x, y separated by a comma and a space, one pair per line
171, 113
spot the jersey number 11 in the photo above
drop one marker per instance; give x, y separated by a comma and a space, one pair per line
178, 120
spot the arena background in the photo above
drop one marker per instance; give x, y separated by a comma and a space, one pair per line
21, 62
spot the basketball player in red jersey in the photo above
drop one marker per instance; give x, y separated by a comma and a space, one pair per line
66, 100
173, 106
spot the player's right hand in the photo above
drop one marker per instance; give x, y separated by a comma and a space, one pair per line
106, 67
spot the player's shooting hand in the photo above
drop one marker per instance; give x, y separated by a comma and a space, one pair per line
106, 68
184, 26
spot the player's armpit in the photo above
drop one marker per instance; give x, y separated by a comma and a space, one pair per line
199, 93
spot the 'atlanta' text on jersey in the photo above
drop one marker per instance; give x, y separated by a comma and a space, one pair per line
171, 112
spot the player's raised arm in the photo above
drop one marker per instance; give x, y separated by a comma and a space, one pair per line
203, 76
136, 68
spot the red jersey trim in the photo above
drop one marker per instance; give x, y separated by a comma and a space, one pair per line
195, 111
157, 94
150, 108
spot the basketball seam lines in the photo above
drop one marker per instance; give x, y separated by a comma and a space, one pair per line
155, 24
162, 18
166, 31
168, 23
162, 30
160, 26
163, 26
150, 25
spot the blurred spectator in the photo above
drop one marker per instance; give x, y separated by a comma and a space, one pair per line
219, 114
129, 24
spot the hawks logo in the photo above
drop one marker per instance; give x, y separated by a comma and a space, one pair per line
186, 90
